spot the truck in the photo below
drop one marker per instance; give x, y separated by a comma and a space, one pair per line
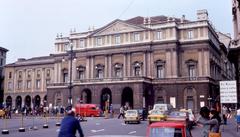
87, 110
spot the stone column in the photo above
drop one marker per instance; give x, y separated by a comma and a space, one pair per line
55, 80
129, 65
110, 66
145, 64
33, 80
60, 72
15, 82
74, 69
168, 63
125, 65
149, 64
92, 67
106, 67
87, 67
43, 79
24, 80
200, 63
206, 63
174, 63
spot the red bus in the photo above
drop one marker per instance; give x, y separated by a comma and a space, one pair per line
87, 110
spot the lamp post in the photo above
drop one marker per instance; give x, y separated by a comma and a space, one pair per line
71, 54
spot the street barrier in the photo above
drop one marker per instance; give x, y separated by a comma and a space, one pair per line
21, 129
46, 122
5, 131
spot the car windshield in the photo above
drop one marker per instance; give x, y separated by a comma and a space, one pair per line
180, 114
165, 132
159, 107
156, 112
131, 112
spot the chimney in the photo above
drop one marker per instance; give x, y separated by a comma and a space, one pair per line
202, 15
183, 18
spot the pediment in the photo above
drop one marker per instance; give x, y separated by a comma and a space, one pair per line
118, 27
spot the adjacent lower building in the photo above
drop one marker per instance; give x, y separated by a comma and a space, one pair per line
136, 62
234, 54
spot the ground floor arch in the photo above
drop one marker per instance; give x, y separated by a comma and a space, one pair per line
127, 97
86, 96
9, 101
190, 98
27, 101
18, 102
37, 101
105, 99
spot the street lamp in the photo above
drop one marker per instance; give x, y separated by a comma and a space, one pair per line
71, 56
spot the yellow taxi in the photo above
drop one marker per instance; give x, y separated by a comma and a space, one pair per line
2, 113
132, 116
156, 115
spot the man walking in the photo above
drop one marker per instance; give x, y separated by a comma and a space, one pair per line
70, 125
121, 112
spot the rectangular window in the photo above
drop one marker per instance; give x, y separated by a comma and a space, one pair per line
29, 74
192, 72
65, 77
99, 73
38, 73
10, 86
118, 72
47, 81
29, 84
38, 83
117, 39
137, 71
10, 75
20, 74
159, 35
81, 74
136, 37
19, 85
190, 34
99, 41
160, 71
1, 62
48, 73
82, 43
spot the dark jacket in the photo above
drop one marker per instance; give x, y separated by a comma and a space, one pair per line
69, 126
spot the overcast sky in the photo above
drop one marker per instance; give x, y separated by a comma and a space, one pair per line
28, 27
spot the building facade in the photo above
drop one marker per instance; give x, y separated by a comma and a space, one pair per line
3, 53
135, 62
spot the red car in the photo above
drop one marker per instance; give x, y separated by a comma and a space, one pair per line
167, 129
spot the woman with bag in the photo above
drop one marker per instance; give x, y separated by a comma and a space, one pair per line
206, 122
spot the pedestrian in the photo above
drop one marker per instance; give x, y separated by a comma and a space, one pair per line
205, 121
70, 125
224, 114
214, 114
121, 112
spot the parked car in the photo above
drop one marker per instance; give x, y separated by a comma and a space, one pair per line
167, 129
132, 116
156, 116
87, 110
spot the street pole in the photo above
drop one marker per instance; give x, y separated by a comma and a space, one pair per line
70, 83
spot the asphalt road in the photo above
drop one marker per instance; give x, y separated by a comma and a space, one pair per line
96, 127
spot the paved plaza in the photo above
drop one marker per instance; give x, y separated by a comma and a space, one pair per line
96, 126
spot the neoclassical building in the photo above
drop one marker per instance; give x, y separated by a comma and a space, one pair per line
234, 53
135, 62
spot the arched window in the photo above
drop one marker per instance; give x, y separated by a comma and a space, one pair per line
137, 68
99, 71
118, 70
